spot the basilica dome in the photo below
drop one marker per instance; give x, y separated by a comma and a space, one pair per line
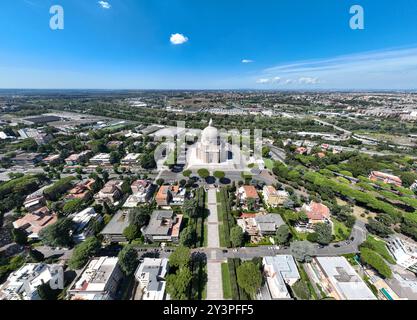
210, 135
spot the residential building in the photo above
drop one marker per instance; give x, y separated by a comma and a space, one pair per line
142, 190
268, 224
34, 202
111, 192
339, 280
280, 272
101, 159
82, 190
151, 277
5, 136
99, 280
131, 159
84, 223
163, 226
274, 198
301, 150
404, 251
178, 195
316, 213
33, 223
114, 144
52, 159
26, 159
385, 178
258, 226
142, 193
77, 158
22, 284
113, 231
245, 193
165, 195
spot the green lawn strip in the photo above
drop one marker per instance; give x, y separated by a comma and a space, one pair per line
227, 289
223, 243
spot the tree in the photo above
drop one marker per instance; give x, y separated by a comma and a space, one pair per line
188, 236
46, 293
219, 174
36, 256
20, 237
190, 208
131, 232
408, 178
187, 173
181, 257
249, 278
147, 161
128, 259
83, 252
114, 157
251, 203
378, 228
140, 216
324, 233
302, 251
105, 175
178, 284
203, 173
58, 234
283, 234
236, 236
73, 206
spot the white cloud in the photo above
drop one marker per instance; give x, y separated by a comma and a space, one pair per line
263, 81
247, 61
308, 80
178, 38
394, 68
104, 4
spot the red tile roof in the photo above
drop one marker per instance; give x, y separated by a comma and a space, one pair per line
317, 211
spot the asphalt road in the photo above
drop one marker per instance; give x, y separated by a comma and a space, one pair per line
277, 154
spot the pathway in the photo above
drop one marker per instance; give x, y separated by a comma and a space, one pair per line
214, 271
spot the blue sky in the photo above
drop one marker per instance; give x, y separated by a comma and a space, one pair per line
219, 44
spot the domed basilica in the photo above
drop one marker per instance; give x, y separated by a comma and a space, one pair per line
214, 153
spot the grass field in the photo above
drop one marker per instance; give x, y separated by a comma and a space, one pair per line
227, 289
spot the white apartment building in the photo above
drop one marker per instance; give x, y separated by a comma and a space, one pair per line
279, 271
339, 280
101, 159
98, 281
404, 252
23, 283
151, 277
